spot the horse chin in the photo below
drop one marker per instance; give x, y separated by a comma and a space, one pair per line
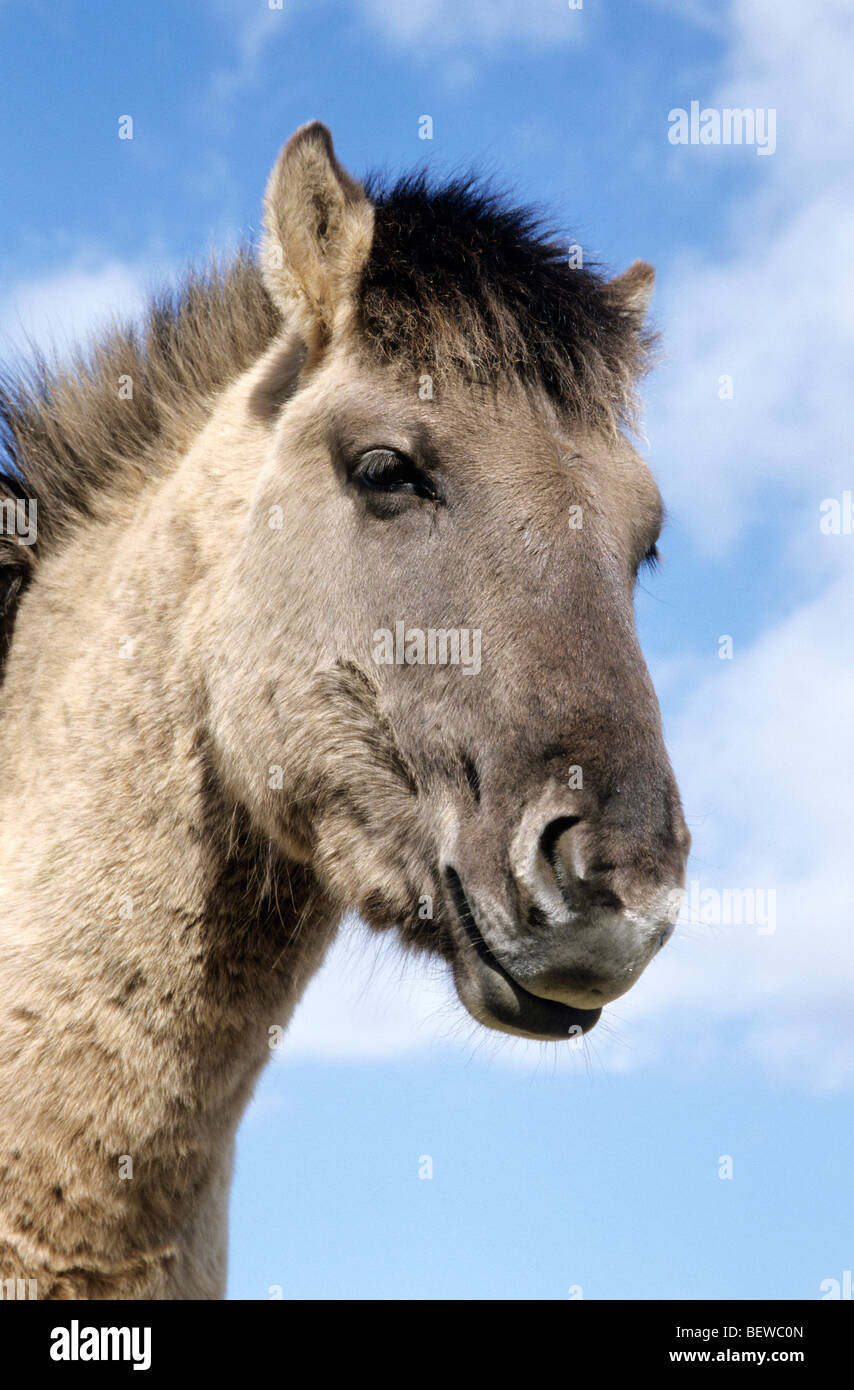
496, 1000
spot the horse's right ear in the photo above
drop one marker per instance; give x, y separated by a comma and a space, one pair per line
631, 292
318, 229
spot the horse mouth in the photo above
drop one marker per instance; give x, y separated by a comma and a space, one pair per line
491, 994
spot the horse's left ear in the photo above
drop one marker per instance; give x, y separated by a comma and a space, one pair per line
631, 292
318, 229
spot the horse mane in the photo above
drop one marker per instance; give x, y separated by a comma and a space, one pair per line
115, 413
457, 280
72, 431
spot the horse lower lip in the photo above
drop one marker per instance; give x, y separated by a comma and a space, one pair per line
505, 1004
508, 1004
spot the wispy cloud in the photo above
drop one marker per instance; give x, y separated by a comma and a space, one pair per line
762, 744
64, 307
484, 25
464, 35
253, 28
773, 309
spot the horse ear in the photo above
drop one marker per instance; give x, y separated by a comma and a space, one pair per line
318, 229
631, 292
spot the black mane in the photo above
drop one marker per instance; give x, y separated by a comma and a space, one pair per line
460, 279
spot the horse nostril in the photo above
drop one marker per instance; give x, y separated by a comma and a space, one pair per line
550, 837
576, 879
559, 848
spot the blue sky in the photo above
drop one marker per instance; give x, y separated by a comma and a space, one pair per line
596, 1169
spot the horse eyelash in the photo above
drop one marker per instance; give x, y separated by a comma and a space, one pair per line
422, 484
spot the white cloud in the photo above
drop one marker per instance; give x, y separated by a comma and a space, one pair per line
774, 309
762, 743
59, 309
475, 30
778, 319
255, 27
767, 784
369, 1000
797, 58
484, 25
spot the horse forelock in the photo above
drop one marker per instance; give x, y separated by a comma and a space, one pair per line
460, 281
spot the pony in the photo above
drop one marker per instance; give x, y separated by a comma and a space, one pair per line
324, 604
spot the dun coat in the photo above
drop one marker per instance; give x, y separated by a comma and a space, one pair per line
410, 408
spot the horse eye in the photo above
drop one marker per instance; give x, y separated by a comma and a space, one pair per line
386, 470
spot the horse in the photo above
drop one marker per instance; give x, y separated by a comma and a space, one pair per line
324, 604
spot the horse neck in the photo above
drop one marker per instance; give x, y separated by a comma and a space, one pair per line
149, 941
